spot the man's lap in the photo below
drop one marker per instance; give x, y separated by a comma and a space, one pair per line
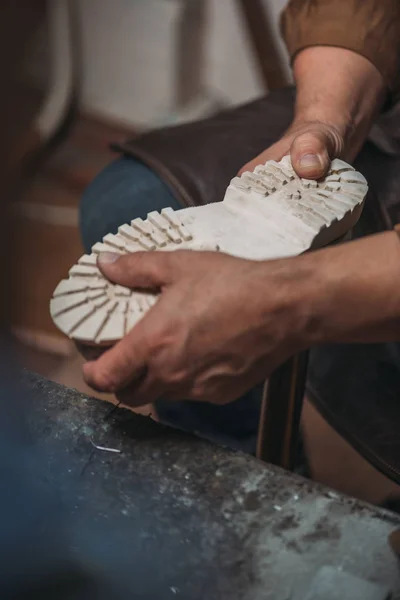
125, 189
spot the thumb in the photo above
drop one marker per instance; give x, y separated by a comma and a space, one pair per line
147, 270
311, 153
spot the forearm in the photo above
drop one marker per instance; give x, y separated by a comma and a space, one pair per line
340, 88
348, 293
339, 92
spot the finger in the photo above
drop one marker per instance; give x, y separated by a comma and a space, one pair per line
311, 153
120, 365
149, 270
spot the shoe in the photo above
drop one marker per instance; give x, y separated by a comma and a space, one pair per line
266, 214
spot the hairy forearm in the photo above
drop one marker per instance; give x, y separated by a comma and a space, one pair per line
351, 292
341, 88
338, 94
347, 293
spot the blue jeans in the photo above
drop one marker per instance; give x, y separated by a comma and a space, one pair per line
122, 191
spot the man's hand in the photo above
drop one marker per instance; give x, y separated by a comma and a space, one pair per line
338, 94
312, 145
221, 325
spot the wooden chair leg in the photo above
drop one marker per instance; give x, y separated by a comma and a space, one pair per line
62, 90
190, 51
282, 404
262, 38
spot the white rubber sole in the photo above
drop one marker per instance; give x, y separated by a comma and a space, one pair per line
268, 214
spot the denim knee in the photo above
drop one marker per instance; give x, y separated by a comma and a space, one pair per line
124, 190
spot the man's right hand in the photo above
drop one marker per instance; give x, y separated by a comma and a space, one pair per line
338, 94
312, 145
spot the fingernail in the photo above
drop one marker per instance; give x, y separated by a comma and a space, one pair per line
310, 161
106, 258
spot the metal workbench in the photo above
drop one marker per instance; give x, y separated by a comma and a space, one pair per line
173, 516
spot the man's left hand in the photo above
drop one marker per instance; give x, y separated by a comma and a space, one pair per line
220, 326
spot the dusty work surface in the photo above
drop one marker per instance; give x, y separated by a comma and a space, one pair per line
175, 516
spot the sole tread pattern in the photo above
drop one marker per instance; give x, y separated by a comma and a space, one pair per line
272, 199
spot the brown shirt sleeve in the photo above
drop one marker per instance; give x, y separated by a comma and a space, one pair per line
369, 27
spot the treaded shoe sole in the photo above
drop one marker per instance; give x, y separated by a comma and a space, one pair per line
269, 213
